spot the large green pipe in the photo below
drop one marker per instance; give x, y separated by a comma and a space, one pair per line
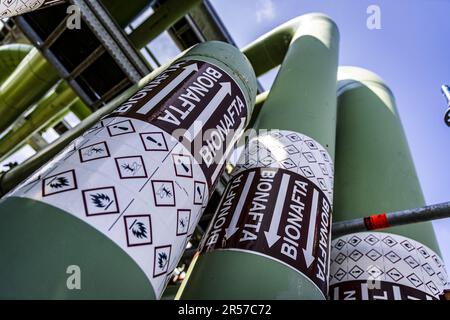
163, 18
10, 57
374, 174
32, 78
69, 236
301, 103
52, 105
80, 109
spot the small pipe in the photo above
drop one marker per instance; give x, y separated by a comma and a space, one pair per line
392, 219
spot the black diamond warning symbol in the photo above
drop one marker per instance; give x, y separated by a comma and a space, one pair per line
340, 258
138, 230
339, 244
394, 274
355, 255
307, 172
94, 152
61, 182
291, 149
411, 262
437, 261
371, 239
423, 252
311, 145
267, 161
356, 272
183, 221
161, 260
294, 137
199, 192
428, 269
389, 241
392, 256
354, 241
407, 245
339, 274
322, 184
131, 167
374, 272
119, 128
154, 141
276, 134
414, 279
324, 156
288, 164
163, 193
323, 167
183, 165
373, 254
433, 288
309, 157
100, 201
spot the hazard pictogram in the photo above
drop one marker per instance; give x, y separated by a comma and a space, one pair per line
161, 260
100, 201
199, 192
183, 165
138, 230
61, 182
183, 221
121, 127
163, 193
154, 141
131, 167
94, 152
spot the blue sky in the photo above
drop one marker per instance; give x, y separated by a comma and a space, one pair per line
411, 53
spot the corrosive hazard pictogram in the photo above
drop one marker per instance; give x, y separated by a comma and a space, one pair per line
138, 230
61, 182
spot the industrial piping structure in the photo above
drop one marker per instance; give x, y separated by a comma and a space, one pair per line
290, 261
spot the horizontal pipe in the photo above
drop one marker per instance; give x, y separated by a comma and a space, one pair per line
163, 18
392, 219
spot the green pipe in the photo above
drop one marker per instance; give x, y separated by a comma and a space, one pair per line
254, 260
67, 236
10, 57
163, 18
124, 11
81, 110
374, 174
32, 78
52, 105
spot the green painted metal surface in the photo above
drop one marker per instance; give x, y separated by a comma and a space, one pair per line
302, 99
10, 57
53, 105
163, 18
39, 242
374, 169
32, 78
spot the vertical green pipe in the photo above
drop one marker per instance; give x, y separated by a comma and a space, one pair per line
301, 104
374, 174
58, 214
81, 110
